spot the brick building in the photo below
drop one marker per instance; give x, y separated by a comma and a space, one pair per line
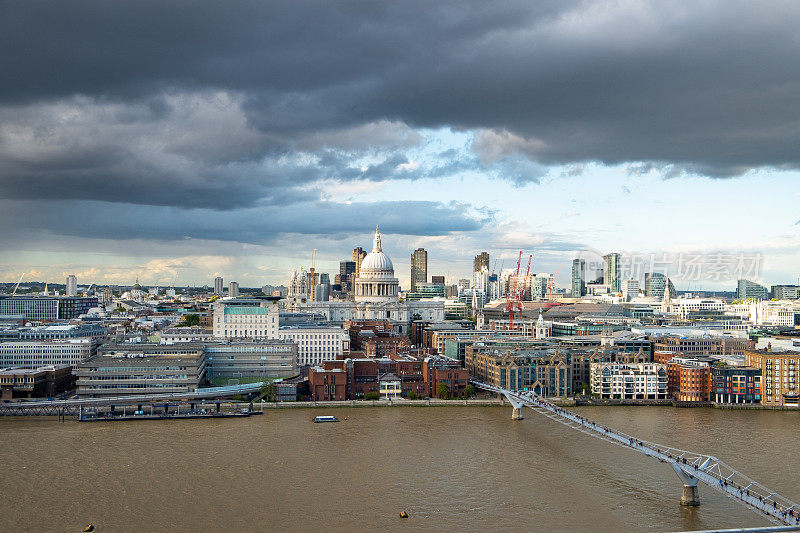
328, 381
354, 378
779, 376
689, 379
42, 382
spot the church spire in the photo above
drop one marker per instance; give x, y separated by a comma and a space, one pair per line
376, 244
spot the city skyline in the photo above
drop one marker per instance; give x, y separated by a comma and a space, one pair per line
553, 134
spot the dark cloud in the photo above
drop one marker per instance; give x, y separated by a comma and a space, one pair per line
249, 105
258, 225
711, 88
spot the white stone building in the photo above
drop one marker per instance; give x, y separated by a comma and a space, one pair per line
246, 318
317, 343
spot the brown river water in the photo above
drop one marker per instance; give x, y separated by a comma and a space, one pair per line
449, 468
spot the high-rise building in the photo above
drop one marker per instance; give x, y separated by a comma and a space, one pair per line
630, 289
218, 285
72, 285
480, 262
578, 278
611, 274
437, 279
233, 289
786, 292
358, 255
419, 268
654, 284
347, 274
750, 289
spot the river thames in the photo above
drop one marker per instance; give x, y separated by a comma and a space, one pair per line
469, 468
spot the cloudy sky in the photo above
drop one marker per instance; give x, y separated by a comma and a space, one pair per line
183, 140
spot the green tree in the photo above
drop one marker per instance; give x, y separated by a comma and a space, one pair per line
269, 392
469, 391
443, 391
411, 395
371, 395
190, 320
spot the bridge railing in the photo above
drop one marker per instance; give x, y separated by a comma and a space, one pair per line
705, 467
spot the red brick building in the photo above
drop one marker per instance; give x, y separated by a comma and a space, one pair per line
353, 378
328, 382
689, 380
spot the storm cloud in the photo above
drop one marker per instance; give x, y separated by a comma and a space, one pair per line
208, 107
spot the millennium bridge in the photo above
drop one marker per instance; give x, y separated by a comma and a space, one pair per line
69, 407
692, 468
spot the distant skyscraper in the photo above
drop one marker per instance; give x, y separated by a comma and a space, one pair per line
72, 285
655, 283
480, 262
419, 268
233, 289
578, 278
218, 285
630, 289
611, 275
358, 255
347, 273
437, 279
749, 289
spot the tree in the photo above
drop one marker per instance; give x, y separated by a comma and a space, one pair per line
469, 391
190, 320
269, 392
371, 395
411, 395
443, 391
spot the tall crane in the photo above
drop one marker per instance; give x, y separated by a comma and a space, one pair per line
17, 285
551, 282
312, 275
512, 296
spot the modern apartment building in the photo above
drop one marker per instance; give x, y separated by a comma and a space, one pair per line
736, 384
629, 381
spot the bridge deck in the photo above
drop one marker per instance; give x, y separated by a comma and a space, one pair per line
54, 407
705, 468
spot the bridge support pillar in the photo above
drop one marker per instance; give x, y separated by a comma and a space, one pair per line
690, 495
516, 414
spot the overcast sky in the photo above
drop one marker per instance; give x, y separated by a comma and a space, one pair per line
183, 140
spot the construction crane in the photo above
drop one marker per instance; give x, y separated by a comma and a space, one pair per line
552, 282
312, 275
512, 296
17, 285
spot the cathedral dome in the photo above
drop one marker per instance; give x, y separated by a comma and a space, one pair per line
376, 282
376, 261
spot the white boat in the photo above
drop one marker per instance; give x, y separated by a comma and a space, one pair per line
325, 419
